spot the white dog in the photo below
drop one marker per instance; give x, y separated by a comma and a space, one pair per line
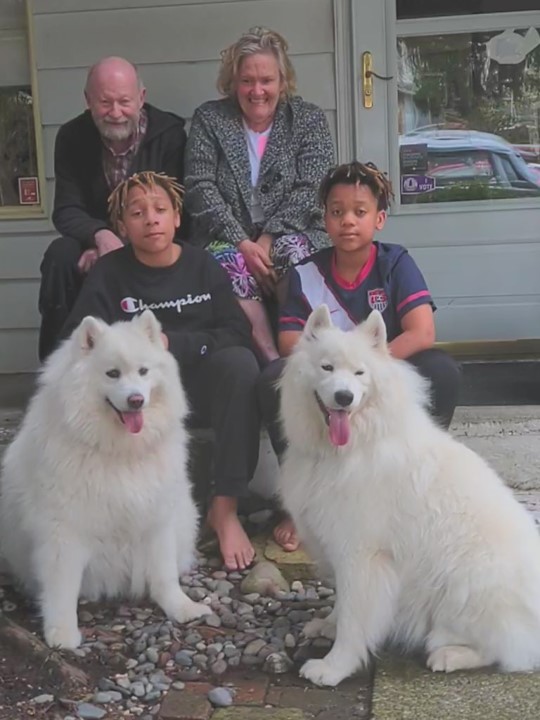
95, 499
428, 547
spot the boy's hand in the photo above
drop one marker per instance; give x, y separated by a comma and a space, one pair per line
106, 241
165, 341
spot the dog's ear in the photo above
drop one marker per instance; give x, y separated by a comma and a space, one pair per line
318, 320
375, 329
89, 332
150, 325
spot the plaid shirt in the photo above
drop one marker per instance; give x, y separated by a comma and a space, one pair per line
116, 166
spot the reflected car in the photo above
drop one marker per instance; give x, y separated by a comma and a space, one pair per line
471, 165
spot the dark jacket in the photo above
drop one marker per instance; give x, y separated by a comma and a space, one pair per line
298, 154
81, 190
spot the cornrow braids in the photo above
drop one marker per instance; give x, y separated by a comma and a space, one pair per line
357, 173
147, 180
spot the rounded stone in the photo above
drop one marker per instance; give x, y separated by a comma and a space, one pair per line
218, 667
138, 689
277, 663
220, 697
87, 711
43, 699
183, 659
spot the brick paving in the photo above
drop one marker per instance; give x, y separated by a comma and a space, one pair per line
285, 697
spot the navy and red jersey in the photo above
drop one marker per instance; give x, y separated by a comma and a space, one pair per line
390, 282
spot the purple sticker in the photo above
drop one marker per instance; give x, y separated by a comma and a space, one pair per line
414, 184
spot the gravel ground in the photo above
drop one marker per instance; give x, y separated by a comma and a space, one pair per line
150, 654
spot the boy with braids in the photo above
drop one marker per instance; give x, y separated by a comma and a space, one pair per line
353, 277
203, 327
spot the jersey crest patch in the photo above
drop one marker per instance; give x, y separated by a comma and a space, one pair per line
377, 299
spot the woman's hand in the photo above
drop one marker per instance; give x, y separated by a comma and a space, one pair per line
257, 258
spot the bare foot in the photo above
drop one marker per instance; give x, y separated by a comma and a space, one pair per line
236, 548
285, 535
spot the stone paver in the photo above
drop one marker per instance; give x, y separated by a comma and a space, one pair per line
404, 690
182, 705
251, 691
294, 565
250, 713
315, 700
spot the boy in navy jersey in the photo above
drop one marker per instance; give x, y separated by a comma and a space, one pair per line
353, 277
203, 327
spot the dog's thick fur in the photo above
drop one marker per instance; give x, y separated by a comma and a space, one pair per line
95, 499
428, 547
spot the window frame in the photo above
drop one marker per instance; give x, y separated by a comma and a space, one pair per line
443, 25
39, 210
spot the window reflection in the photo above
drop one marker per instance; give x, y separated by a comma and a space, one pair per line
469, 116
19, 184
435, 8
17, 146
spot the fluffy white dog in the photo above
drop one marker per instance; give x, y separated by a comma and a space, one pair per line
428, 547
95, 499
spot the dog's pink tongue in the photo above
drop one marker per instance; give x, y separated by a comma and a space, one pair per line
133, 421
339, 427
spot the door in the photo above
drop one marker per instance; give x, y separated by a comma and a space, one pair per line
456, 123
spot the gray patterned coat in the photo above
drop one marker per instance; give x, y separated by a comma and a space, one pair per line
217, 177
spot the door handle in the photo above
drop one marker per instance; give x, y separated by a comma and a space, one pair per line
367, 79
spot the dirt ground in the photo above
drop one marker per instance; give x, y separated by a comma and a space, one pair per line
28, 671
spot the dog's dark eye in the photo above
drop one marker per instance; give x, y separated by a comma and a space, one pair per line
114, 373
328, 368
359, 372
143, 371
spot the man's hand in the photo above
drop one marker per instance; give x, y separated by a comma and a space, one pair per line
257, 257
87, 260
106, 241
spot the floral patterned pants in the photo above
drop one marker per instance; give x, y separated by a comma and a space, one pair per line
286, 251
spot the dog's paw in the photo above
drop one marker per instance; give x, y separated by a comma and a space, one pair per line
319, 672
450, 658
64, 637
190, 610
319, 627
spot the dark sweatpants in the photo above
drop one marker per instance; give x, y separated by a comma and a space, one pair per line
223, 396
61, 282
435, 365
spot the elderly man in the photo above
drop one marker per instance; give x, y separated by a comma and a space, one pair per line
119, 134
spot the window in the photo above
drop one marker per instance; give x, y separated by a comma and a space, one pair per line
20, 162
469, 115
432, 8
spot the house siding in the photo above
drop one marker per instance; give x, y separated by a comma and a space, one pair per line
176, 45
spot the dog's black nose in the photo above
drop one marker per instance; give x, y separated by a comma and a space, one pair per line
343, 397
135, 401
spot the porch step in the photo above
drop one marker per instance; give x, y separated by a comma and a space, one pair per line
500, 382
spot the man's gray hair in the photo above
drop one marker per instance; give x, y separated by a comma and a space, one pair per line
96, 66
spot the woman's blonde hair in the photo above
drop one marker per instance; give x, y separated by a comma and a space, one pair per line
256, 40
146, 180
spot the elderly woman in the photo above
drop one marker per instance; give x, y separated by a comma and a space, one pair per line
254, 162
